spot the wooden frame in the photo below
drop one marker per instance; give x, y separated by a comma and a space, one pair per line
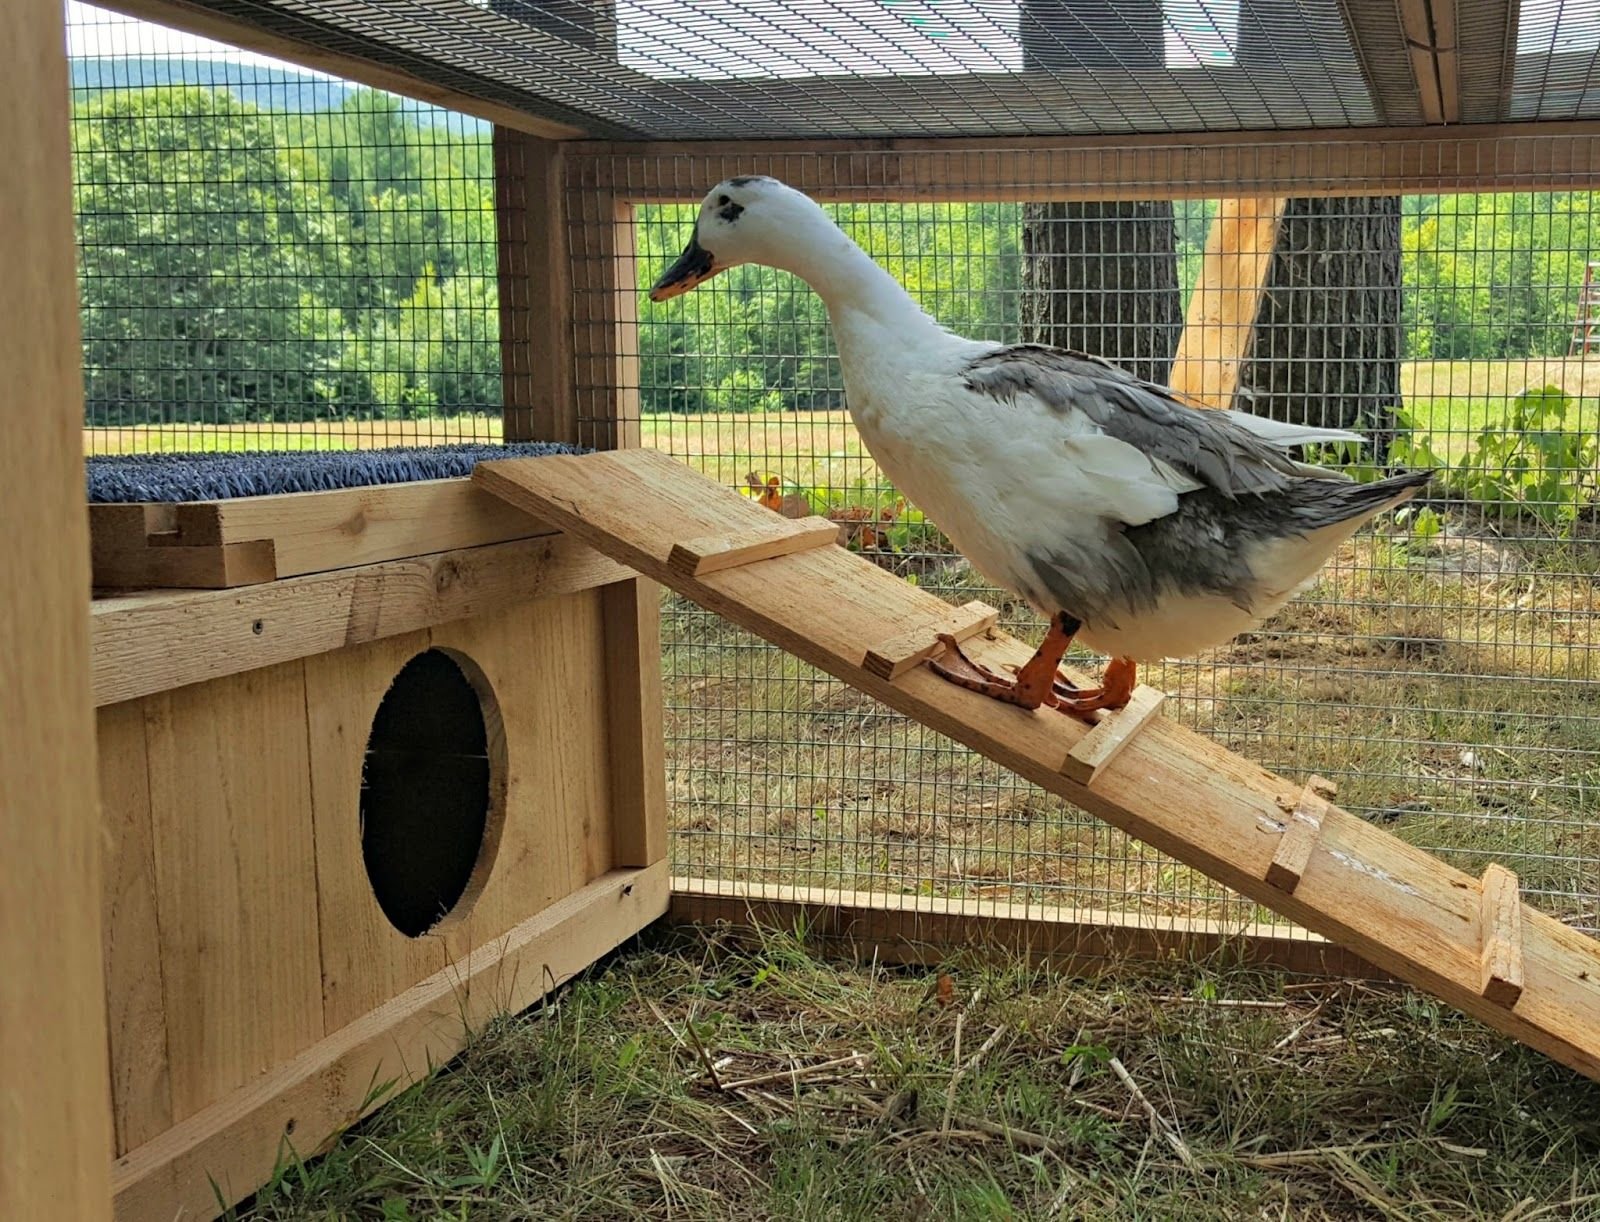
56, 1145
254, 539
153, 642
1360, 161
570, 351
924, 929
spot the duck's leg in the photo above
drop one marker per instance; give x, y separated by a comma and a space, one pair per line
1037, 682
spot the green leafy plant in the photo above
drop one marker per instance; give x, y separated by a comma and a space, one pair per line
878, 518
1540, 463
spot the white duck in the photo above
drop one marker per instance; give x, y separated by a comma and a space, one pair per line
1142, 526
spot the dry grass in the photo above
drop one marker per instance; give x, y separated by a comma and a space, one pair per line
1453, 703
708, 1077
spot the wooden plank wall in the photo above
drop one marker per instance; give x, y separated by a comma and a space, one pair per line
55, 1119
240, 927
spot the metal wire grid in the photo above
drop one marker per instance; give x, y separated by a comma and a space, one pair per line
1441, 670
271, 259
730, 68
795, 68
1557, 68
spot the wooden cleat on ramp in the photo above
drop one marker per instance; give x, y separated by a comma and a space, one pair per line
905, 651
1116, 729
1301, 831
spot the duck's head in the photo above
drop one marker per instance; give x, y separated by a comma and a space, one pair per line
751, 219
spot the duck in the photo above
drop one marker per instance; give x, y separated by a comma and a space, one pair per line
1141, 525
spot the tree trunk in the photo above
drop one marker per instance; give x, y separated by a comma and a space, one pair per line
1103, 278
1326, 349
1100, 277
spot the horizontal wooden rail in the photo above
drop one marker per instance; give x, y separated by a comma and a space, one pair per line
928, 929
1214, 165
162, 639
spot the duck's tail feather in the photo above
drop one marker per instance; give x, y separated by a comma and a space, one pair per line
1352, 502
1277, 433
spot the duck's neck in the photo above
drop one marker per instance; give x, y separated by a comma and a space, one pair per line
866, 305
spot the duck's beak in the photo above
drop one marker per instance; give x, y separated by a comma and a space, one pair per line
694, 266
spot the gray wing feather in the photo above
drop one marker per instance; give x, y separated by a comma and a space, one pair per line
1204, 444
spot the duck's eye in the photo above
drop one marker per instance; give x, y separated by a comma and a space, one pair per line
723, 201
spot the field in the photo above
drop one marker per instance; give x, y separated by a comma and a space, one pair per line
705, 1077
1452, 399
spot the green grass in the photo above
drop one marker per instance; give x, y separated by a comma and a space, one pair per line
1454, 401
998, 1098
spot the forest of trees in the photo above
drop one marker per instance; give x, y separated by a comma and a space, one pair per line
244, 264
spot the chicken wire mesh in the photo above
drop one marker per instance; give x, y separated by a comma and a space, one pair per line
1440, 670
700, 69
279, 260
272, 258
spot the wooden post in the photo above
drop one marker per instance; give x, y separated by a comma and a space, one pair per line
569, 350
55, 1107
535, 289
606, 327
1227, 295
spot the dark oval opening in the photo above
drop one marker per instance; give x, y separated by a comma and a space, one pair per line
427, 787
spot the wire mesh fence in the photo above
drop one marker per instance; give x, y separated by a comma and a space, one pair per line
274, 259
277, 260
1440, 669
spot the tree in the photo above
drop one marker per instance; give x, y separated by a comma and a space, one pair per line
193, 306
1100, 277
1326, 349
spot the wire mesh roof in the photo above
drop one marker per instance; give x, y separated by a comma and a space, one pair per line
721, 69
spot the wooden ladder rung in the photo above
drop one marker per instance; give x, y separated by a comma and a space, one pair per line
905, 651
1500, 936
713, 553
1301, 831
1091, 753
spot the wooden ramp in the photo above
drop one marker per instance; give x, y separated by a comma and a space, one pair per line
1470, 941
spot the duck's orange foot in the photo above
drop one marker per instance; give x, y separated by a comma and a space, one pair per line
1038, 681
1115, 690
1025, 691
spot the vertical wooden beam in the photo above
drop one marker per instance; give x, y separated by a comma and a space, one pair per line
625, 329
1430, 30
605, 314
536, 297
611, 406
1227, 295
632, 613
1447, 58
55, 1107
570, 352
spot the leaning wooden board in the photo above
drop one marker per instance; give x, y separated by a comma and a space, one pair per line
252, 539
1397, 906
